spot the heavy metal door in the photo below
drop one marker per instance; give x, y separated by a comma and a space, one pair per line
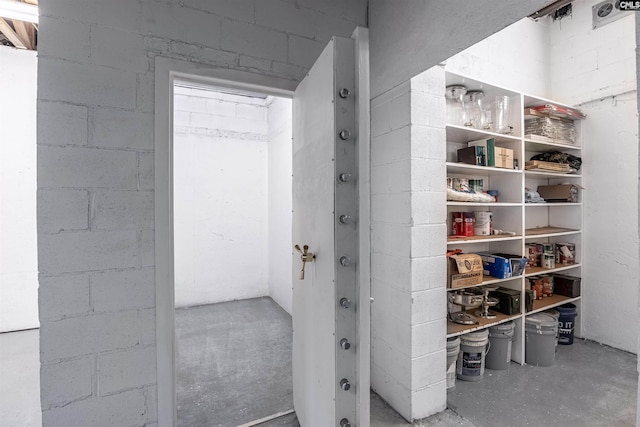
325, 214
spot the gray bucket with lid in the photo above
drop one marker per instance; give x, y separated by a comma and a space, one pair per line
540, 339
471, 359
499, 354
453, 348
556, 315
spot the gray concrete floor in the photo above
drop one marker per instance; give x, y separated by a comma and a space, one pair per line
589, 385
20, 379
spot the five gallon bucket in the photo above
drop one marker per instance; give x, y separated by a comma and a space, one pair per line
566, 323
540, 339
453, 348
556, 315
499, 354
471, 359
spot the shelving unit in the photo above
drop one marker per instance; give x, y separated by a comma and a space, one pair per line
531, 222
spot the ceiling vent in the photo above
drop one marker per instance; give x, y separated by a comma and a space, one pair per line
606, 12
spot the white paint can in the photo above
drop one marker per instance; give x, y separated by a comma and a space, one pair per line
484, 223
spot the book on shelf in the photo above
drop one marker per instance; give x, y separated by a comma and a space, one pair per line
488, 146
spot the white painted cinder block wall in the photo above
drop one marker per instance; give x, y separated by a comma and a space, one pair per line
18, 250
596, 70
279, 181
220, 196
232, 197
408, 207
95, 175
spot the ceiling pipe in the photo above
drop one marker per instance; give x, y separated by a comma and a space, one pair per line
11, 9
549, 9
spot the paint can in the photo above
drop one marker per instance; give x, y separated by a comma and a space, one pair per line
499, 354
548, 260
540, 338
457, 221
566, 323
533, 256
469, 223
484, 223
471, 359
547, 285
453, 348
565, 253
547, 248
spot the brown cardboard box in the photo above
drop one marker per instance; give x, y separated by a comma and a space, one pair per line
560, 193
504, 157
464, 270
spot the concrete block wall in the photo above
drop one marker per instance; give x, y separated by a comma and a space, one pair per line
95, 175
408, 315
596, 70
18, 249
501, 59
279, 181
220, 196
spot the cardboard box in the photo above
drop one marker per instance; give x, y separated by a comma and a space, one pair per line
464, 270
504, 157
509, 300
472, 156
496, 266
568, 286
560, 193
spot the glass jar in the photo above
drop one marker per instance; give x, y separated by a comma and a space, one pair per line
455, 104
475, 108
502, 117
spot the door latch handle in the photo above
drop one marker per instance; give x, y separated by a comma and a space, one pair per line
305, 257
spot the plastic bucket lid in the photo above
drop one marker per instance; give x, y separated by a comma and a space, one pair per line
475, 336
567, 309
541, 323
503, 330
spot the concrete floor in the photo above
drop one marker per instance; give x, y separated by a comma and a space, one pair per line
245, 375
20, 379
588, 385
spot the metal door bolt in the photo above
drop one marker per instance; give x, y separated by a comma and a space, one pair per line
345, 344
345, 303
345, 219
344, 93
344, 384
345, 177
344, 134
345, 261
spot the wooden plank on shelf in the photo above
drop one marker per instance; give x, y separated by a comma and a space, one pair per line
486, 280
547, 230
493, 237
454, 329
534, 271
550, 302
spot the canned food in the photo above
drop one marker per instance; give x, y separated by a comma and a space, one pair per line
533, 256
457, 228
565, 253
548, 260
469, 223
547, 248
547, 285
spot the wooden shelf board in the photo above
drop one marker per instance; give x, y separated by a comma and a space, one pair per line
552, 204
455, 329
464, 168
540, 146
486, 280
534, 271
535, 232
536, 174
550, 302
454, 203
541, 236
477, 239
456, 133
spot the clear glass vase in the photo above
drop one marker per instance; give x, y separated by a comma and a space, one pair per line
455, 104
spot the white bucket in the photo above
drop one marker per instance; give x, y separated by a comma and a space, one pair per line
483, 225
453, 348
473, 349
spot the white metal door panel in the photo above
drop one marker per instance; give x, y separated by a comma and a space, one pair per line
324, 372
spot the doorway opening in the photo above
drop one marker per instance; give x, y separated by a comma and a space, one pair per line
232, 194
